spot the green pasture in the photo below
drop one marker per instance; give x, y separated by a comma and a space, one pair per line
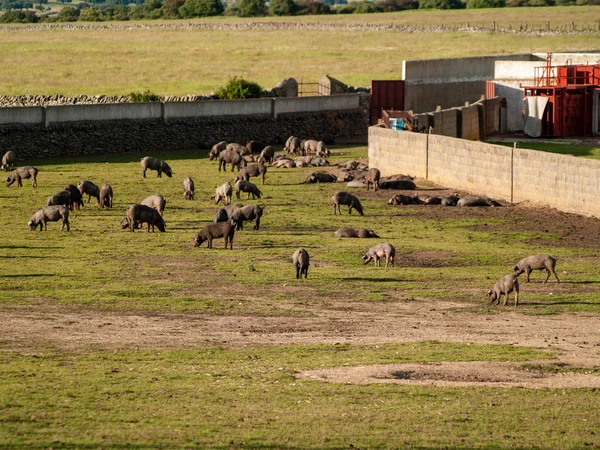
563, 147
92, 397
180, 60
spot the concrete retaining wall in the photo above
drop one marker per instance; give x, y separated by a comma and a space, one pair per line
560, 181
55, 131
116, 111
25, 115
218, 108
320, 103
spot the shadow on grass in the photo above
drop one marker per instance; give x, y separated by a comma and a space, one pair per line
29, 275
386, 280
28, 247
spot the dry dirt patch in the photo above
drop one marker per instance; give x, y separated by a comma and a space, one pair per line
459, 374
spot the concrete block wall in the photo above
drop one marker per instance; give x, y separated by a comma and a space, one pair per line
564, 182
470, 120
389, 152
474, 166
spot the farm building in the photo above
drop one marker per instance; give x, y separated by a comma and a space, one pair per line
570, 83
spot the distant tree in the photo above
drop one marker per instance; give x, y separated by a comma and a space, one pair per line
479, 4
313, 7
92, 14
346, 9
68, 14
251, 8
397, 5
171, 8
282, 8
15, 16
441, 4
366, 7
201, 8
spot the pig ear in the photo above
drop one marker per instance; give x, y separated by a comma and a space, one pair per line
489, 292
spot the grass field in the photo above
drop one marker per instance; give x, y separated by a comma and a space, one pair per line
581, 149
176, 60
230, 391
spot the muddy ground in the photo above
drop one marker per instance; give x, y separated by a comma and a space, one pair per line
574, 336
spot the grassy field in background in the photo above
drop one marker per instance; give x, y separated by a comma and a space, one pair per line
574, 148
186, 61
250, 398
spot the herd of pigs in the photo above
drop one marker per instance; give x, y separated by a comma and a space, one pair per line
233, 215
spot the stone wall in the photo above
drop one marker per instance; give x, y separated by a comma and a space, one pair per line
153, 135
560, 181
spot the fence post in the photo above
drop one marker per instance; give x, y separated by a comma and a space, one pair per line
512, 172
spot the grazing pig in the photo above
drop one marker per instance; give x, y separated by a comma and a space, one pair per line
8, 160
61, 198
89, 188
345, 198
188, 188
50, 214
372, 178
401, 199
256, 147
476, 201
537, 262
310, 146
158, 202
224, 214
504, 285
106, 196
397, 184
321, 177
353, 174
379, 251
22, 173
322, 150
267, 155
125, 224
293, 145
238, 148
246, 186
216, 230
231, 157
451, 200
145, 214
301, 262
223, 192
362, 233
76, 197
252, 171
156, 164
246, 213
216, 150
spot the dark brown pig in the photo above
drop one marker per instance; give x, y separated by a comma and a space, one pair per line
144, 214
216, 230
